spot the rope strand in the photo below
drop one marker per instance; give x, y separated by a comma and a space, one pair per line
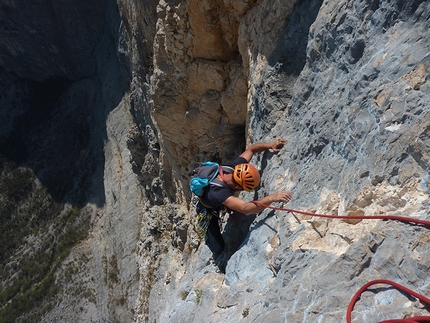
422, 298
372, 217
417, 319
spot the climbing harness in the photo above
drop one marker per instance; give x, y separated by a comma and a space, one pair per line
203, 220
205, 214
417, 319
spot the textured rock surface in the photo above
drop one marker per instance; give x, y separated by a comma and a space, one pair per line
347, 96
127, 95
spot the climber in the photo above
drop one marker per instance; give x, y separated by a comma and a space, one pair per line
235, 176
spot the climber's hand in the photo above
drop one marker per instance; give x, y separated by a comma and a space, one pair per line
278, 144
282, 196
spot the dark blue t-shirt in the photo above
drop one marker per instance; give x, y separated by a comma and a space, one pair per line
215, 194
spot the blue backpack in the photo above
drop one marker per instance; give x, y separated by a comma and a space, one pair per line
205, 174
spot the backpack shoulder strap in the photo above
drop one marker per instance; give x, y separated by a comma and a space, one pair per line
218, 182
228, 169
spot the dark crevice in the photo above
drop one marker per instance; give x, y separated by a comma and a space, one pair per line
290, 51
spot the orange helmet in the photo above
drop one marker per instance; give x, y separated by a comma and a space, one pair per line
246, 176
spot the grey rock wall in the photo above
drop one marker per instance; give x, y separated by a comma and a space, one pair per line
117, 100
351, 98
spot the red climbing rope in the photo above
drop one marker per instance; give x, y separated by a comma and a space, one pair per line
373, 217
417, 319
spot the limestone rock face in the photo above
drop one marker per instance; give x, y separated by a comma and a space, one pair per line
199, 90
111, 103
346, 86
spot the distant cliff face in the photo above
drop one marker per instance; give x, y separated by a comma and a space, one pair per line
118, 100
61, 76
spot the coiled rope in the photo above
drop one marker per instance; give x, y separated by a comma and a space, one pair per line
417, 319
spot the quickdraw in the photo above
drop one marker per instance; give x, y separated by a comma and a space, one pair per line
202, 223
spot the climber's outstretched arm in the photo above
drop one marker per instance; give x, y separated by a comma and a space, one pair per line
263, 146
239, 205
